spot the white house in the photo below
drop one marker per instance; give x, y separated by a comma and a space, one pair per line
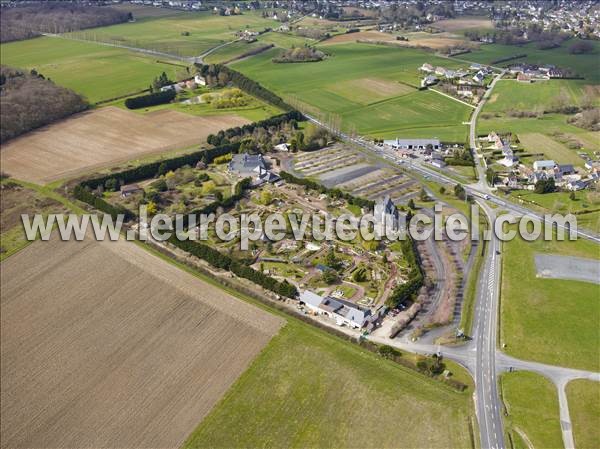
282, 147
200, 80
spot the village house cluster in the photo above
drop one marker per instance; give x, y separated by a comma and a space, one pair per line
464, 83
521, 176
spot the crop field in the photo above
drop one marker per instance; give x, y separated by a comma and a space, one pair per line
585, 65
167, 34
113, 347
102, 137
384, 109
532, 418
549, 320
584, 408
95, 71
306, 383
464, 23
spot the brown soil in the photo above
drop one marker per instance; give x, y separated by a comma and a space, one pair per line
102, 137
105, 345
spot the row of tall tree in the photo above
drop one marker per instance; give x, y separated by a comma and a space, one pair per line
55, 17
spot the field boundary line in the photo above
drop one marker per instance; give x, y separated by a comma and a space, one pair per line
452, 98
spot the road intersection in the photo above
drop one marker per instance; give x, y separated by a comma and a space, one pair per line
481, 355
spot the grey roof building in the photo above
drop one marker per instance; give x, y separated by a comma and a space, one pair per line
247, 164
413, 144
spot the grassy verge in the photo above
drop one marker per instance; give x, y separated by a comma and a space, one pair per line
532, 418
309, 389
584, 408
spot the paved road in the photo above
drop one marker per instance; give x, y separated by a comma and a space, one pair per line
480, 356
480, 161
488, 406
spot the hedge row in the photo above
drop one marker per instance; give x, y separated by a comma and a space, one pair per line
246, 84
408, 290
153, 99
223, 136
151, 169
83, 194
332, 193
223, 261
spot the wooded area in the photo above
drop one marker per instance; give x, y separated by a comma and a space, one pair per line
29, 101
30, 21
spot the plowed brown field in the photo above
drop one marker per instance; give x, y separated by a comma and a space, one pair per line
104, 136
105, 345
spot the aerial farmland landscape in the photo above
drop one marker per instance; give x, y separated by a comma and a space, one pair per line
309, 224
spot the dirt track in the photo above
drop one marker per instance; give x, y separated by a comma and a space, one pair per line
105, 345
102, 137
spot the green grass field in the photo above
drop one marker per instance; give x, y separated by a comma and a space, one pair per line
547, 126
205, 29
98, 72
585, 65
549, 320
310, 389
532, 410
584, 408
511, 94
237, 49
539, 135
366, 85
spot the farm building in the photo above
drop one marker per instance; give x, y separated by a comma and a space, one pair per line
344, 312
426, 68
414, 144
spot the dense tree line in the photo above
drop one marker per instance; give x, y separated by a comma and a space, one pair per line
83, 194
54, 17
144, 101
225, 262
224, 137
332, 193
409, 289
29, 101
222, 75
152, 169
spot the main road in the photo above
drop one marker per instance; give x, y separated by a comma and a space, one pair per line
481, 355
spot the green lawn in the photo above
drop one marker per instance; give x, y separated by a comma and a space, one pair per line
368, 87
98, 72
532, 410
205, 29
585, 65
584, 408
310, 389
549, 320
